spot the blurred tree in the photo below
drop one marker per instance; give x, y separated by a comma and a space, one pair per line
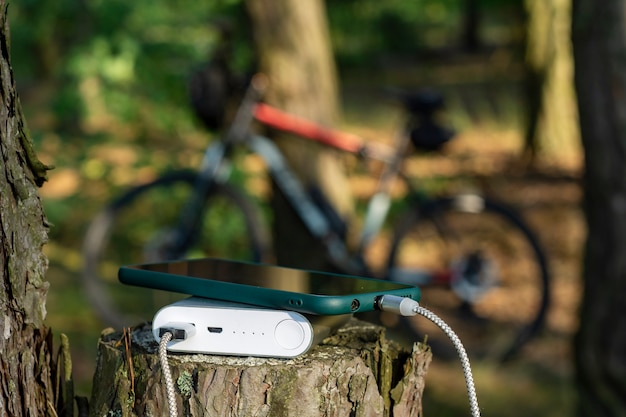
550, 101
598, 33
293, 49
471, 26
31, 382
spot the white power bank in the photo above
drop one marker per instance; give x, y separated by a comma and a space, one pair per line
225, 328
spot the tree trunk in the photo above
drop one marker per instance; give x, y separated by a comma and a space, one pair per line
471, 26
356, 372
599, 40
293, 47
550, 98
29, 375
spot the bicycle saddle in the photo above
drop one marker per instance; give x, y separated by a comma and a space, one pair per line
424, 102
425, 132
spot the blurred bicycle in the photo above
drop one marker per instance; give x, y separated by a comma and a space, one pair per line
479, 265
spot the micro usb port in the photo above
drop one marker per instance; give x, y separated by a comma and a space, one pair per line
215, 329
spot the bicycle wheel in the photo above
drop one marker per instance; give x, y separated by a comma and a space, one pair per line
136, 227
480, 268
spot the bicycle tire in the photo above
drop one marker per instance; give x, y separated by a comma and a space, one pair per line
496, 324
128, 230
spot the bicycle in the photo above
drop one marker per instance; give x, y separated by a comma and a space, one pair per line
479, 265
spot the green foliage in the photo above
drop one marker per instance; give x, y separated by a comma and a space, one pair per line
363, 30
113, 65
104, 90
115, 60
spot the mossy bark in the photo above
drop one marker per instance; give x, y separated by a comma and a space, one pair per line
356, 372
33, 380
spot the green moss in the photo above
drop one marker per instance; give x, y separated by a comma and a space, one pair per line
38, 168
67, 357
279, 399
185, 384
357, 387
387, 375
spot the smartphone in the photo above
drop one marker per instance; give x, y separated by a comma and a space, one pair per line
264, 285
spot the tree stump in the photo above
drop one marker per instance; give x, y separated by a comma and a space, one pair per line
354, 372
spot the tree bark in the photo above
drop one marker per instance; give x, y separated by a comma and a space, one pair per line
356, 372
293, 49
599, 41
33, 381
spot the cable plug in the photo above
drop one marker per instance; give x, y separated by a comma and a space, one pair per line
179, 330
403, 306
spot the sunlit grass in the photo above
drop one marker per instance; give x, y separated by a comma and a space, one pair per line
515, 390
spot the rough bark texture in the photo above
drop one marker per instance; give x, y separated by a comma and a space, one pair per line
293, 45
356, 372
31, 383
600, 61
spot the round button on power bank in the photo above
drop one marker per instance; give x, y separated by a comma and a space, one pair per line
289, 334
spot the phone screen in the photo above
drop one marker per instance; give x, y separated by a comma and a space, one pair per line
273, 277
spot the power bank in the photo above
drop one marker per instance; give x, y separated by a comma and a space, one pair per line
225, 328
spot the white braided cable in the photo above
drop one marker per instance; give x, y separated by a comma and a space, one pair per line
465, 363
167, 375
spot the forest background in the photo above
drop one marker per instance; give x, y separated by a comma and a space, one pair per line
104, 89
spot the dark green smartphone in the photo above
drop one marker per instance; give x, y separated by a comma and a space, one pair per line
266, 285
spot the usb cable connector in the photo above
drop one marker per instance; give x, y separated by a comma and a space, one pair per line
179, 331
395, 304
